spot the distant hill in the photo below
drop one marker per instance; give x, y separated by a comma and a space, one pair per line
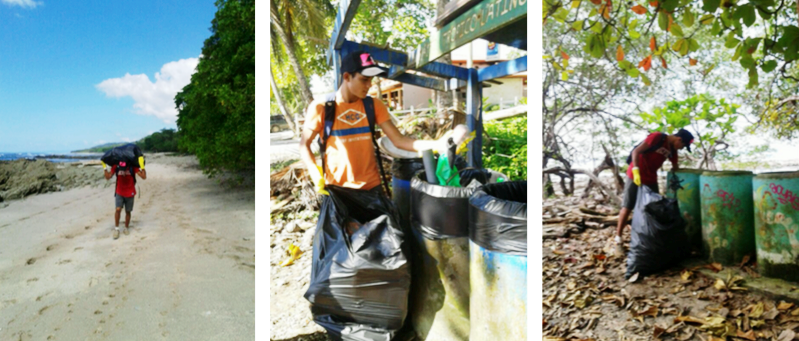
101, 148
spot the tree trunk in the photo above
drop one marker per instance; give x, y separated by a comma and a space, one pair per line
283, 109
288, 44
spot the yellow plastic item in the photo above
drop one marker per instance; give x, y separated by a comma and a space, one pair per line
462, 146
636, 176
319, 182
294, 253
141, 162
104, 165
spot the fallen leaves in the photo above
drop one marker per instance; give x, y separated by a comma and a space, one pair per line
638, 9
633, 278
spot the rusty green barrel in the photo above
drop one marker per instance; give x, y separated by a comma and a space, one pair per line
727, 216
688, 199
776, 200
498, 262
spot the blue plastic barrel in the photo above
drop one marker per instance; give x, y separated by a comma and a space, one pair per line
498, 262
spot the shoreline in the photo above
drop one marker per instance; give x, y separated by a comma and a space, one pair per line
185, 271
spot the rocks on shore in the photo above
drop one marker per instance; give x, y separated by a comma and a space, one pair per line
21, 178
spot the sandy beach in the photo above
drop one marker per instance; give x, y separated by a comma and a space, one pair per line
185, 271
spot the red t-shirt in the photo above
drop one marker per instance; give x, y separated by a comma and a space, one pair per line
125, 186
649, 163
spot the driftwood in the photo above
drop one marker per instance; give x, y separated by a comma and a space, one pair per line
562, 221
614, 198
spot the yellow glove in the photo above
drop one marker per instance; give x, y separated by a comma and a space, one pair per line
141, 162
319, 181
636, 176
104, 165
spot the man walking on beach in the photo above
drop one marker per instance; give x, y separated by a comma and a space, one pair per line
349, 157
647, 158
125, 190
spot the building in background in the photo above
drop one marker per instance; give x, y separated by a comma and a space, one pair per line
399, 96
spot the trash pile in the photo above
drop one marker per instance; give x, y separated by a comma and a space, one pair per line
585, 295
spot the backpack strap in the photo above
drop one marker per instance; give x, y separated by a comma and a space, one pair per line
329, 118
369, 107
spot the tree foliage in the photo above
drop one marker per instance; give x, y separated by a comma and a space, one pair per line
711, 121
506, 151
217, 109
165, 140
763, 33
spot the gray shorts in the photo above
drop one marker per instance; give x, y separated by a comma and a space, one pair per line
122, 201
631, 193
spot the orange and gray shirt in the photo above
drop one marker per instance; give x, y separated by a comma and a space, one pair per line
349, 156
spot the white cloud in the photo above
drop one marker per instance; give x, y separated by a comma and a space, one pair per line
153, 98
21, 3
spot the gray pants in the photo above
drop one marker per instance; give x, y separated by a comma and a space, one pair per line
126, 202
631, 193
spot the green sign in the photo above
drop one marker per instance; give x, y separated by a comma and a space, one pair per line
484, 18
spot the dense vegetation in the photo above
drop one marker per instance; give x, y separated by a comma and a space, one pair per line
217, 109
166, 140
506, 149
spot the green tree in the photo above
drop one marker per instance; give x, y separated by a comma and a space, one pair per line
165, 140
306, 19
217, 109
672, 30
712, 120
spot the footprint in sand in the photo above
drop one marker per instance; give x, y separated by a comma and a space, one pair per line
41, 311
31, 261
65, 261
93, 281
69, 236
51, 247
34, 279
78, 248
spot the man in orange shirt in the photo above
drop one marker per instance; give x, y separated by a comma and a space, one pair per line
349, 154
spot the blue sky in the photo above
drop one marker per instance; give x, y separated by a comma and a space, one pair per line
74, 74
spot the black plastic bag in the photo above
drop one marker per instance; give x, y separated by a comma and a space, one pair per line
440, 212
128, 154
360, 275
658, 238
498, 217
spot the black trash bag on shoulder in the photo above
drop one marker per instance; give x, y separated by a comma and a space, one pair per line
658, 237
128, 154
360, 274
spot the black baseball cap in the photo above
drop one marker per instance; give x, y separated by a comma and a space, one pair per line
361, 62
686, 137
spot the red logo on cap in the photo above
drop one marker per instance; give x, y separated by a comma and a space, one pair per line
366, 60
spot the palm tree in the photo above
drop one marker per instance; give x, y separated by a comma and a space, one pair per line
290, 18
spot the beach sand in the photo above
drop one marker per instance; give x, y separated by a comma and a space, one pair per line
185, 271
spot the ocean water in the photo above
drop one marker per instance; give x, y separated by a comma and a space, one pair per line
52, 157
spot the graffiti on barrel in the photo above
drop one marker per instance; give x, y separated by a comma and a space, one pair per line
785, 196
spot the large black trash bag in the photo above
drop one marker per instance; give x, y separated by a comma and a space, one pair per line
498, 217
128, 154
658, 238
360, 282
